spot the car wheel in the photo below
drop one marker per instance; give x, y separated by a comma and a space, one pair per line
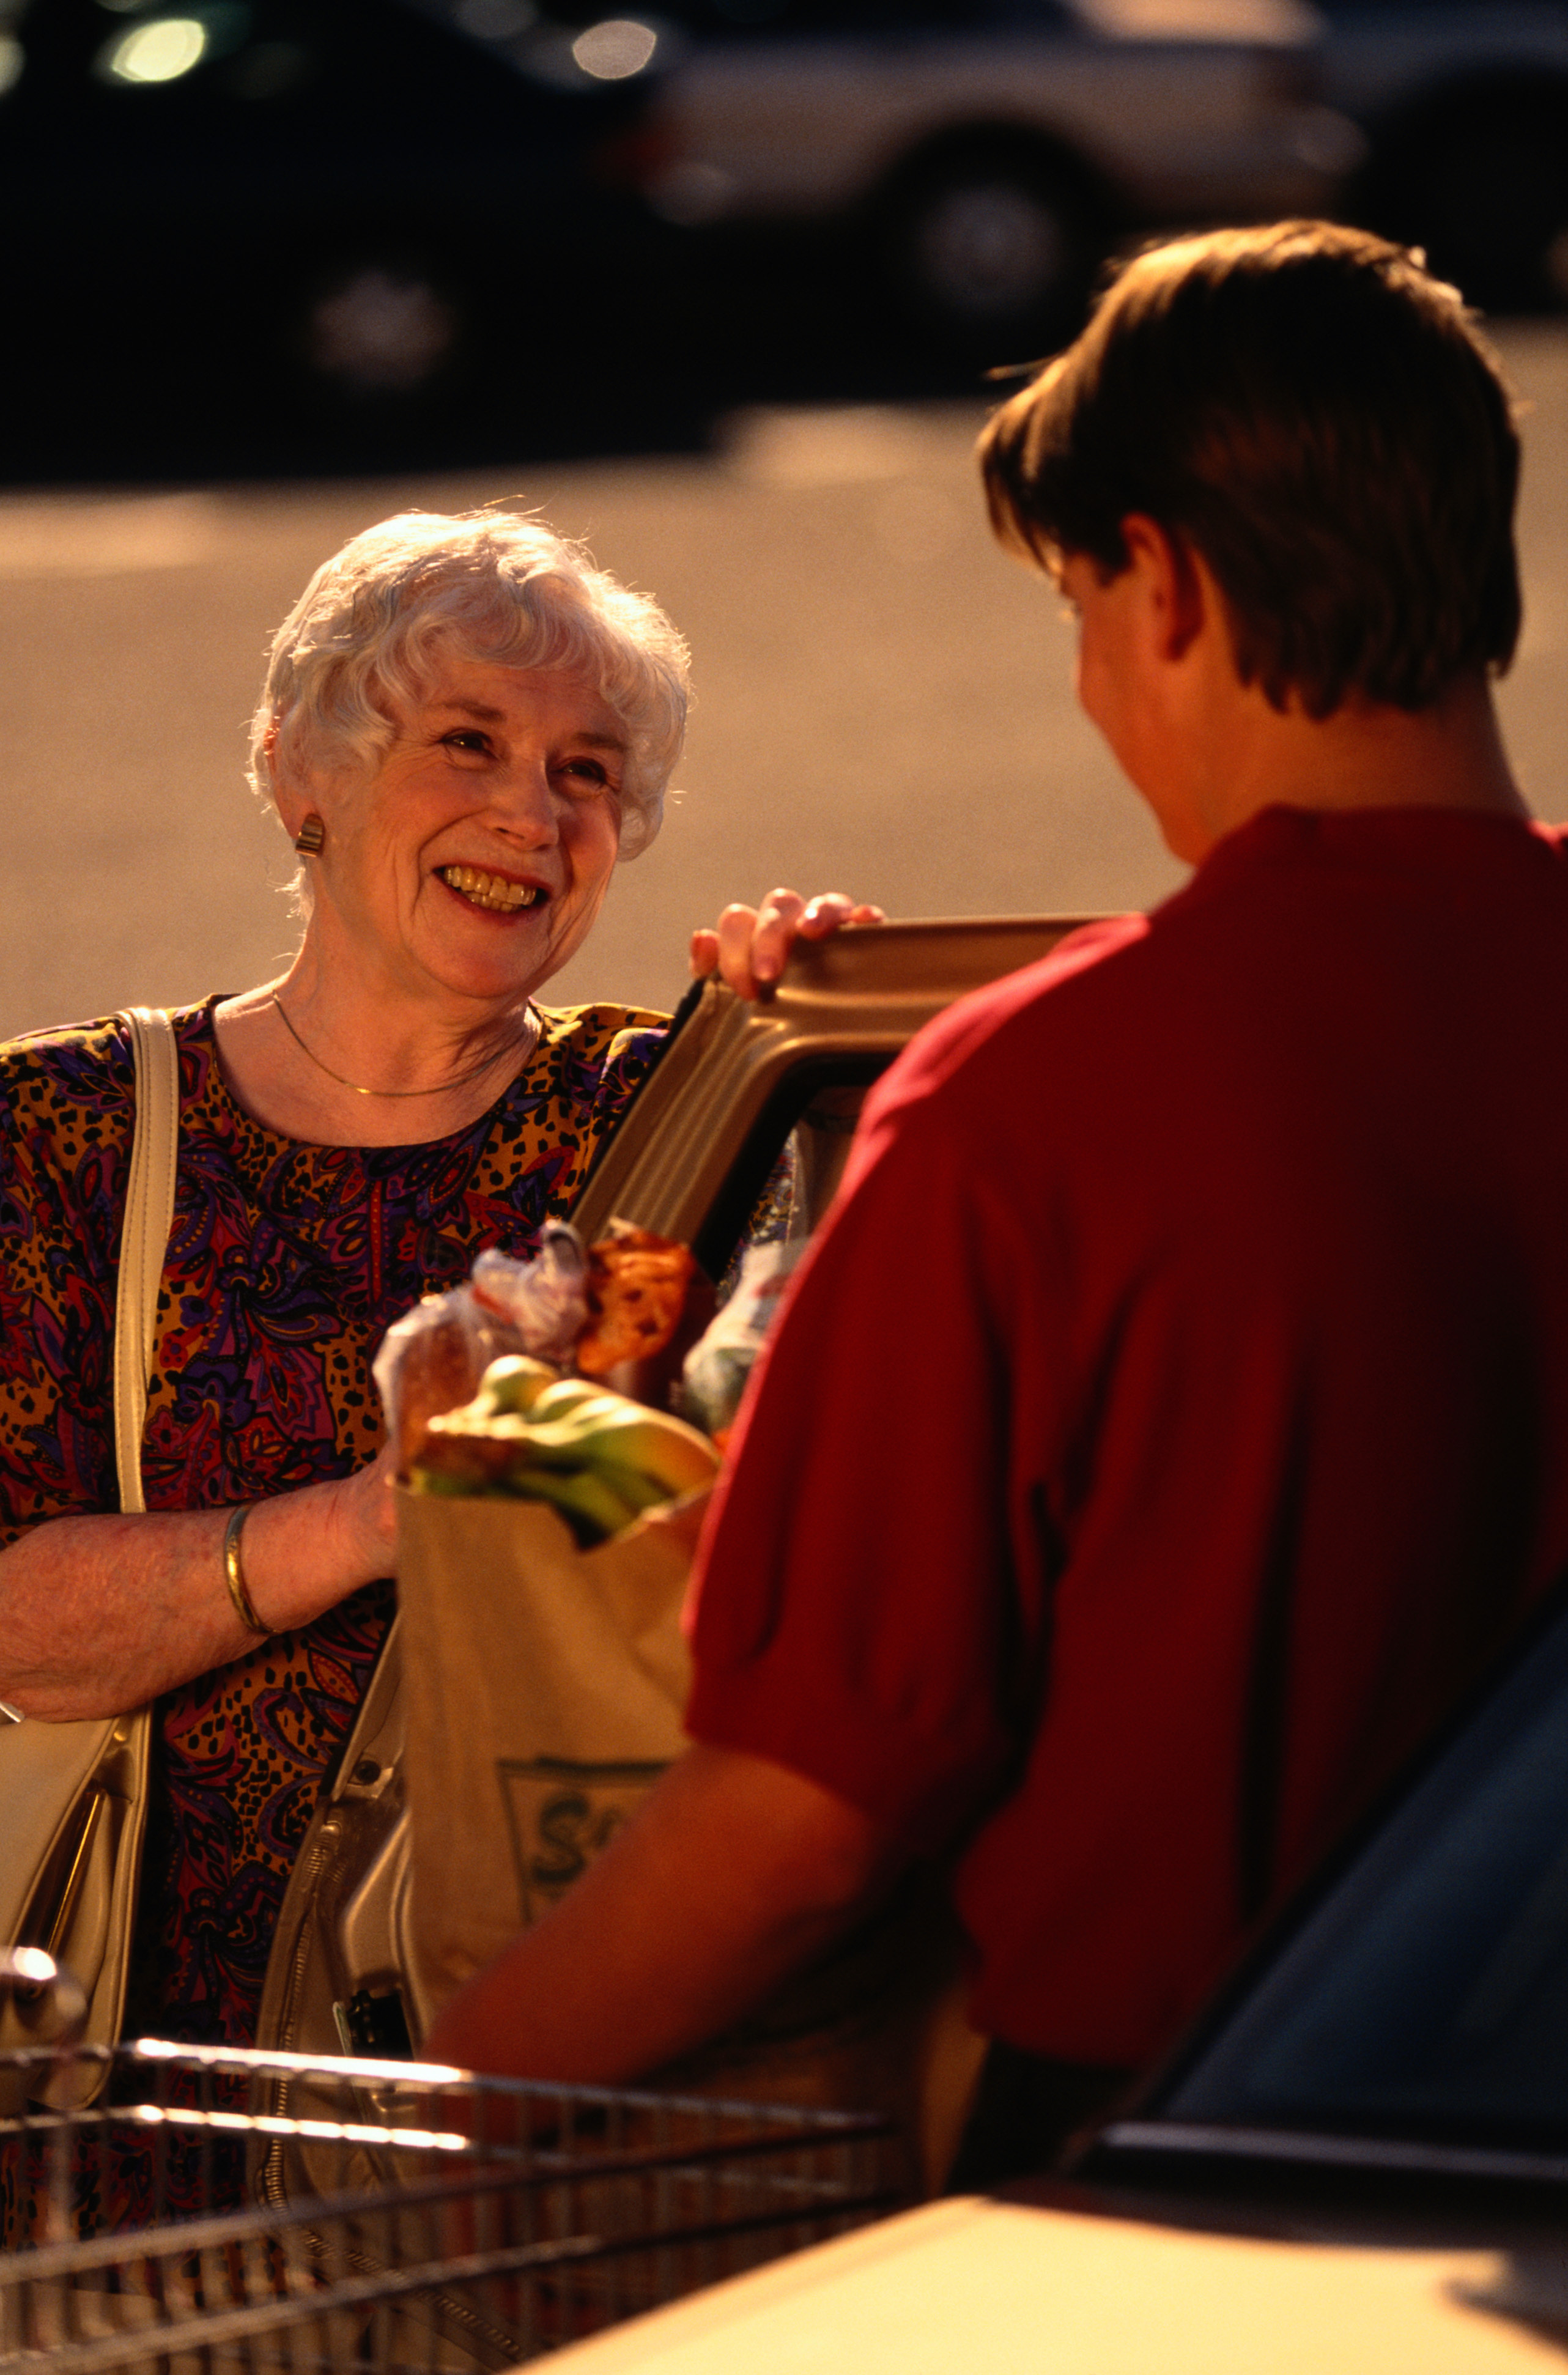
991, 246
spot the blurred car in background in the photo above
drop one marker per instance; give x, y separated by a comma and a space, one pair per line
971, 162
325, 215
355, 232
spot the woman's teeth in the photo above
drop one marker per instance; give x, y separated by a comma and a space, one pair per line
489, 890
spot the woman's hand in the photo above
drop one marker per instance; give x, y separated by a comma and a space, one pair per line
750, 945
305, 1551
366, 1516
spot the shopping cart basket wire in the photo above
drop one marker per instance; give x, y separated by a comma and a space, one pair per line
307, 2213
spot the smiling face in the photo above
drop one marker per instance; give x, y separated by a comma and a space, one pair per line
474, 860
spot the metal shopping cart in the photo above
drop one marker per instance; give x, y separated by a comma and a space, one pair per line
376, 2216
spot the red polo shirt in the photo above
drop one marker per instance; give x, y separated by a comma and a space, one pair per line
1173, 1414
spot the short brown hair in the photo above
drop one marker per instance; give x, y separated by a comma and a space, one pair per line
1321, 421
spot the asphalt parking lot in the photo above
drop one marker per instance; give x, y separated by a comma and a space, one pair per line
884, 701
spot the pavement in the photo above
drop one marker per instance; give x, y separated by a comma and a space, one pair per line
884, 701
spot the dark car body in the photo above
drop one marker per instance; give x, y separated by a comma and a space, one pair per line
1462, 106
317, 217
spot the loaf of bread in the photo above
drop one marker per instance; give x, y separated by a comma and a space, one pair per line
441, 1367
636, 1290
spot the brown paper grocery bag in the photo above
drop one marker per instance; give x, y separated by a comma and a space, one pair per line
545, 1687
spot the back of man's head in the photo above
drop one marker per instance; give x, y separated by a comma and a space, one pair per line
1321, 421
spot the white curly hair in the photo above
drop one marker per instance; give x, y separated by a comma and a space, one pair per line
370, 630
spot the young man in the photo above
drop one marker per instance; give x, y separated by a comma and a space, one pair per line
1172, 1418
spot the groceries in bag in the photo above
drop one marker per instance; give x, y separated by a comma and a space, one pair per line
595, 1457
434, 1357
636, 1290
569, 1308
719, 1365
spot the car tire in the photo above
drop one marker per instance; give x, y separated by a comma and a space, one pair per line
993, 246
1482, 184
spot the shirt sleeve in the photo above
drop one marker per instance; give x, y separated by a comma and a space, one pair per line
862, 1612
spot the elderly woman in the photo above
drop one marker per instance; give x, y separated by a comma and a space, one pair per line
462, 726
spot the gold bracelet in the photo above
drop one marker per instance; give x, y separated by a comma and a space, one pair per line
234, 1573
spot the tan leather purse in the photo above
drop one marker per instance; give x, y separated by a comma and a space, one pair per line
74, 1796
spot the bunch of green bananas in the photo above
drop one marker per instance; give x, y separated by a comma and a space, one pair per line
598, 1459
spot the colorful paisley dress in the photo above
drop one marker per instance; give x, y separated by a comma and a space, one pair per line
287, 1264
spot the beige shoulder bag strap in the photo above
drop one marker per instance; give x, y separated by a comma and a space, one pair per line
149, 1210
73, 1796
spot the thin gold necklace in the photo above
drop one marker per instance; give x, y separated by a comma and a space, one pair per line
526, 1041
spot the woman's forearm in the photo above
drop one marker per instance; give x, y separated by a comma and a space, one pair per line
98, 1614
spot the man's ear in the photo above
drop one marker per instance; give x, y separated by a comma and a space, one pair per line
1175, 590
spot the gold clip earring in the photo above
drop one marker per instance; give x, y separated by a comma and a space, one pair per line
311, 837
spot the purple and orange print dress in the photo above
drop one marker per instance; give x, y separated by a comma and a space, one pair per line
287, 1264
